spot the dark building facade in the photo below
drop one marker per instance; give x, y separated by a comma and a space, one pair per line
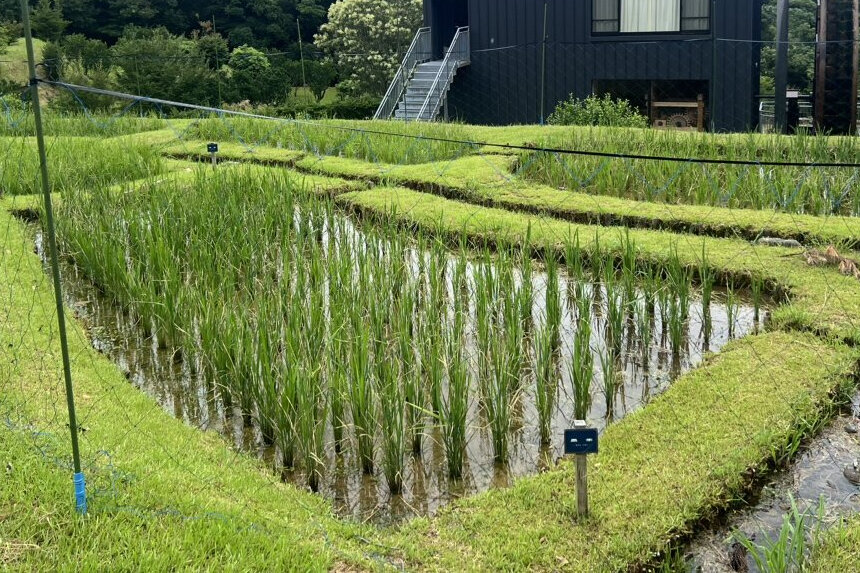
664, 56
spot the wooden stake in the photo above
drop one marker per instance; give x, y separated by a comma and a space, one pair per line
582, 485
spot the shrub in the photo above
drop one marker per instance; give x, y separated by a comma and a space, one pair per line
598, 111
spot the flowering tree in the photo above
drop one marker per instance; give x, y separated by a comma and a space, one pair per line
367, 39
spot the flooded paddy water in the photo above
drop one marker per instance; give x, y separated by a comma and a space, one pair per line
644, 368
386, 371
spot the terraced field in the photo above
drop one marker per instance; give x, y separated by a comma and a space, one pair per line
380, 311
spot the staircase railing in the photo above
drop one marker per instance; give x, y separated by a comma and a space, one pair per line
456, 57
419, 51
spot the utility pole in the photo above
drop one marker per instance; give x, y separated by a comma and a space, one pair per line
781, 75
301, 54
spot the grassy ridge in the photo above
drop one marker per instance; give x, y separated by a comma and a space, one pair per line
823, 300
486, 180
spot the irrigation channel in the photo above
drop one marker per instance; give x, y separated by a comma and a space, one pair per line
388, 372
814, 483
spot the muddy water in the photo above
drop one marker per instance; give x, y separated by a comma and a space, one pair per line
816, 477
648, 367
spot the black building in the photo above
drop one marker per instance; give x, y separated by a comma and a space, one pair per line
683, 62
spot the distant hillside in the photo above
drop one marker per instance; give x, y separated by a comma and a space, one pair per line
13, 63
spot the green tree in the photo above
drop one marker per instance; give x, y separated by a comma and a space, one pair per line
365, 39
803, 15
320, 76
156, 63
249, 78
47, 20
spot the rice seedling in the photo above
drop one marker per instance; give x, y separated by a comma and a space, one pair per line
581, 365
676, 325
286, 437
484, 312
391, 409
497, 399
644, 326
546, 382
615, 303
707, 277
611, 379
413, 387
598, 258
575, 268
732, 308
311, 425
680, 279
757, 288
789, 189
552, 298
456, 408
361, 392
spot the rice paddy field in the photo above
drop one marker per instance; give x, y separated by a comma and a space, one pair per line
370, 337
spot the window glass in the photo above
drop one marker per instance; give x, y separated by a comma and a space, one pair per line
649, 16
695, 15
605, 16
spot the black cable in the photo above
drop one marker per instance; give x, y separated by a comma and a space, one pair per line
508, 146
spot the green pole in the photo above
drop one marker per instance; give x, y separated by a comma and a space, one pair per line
80, 487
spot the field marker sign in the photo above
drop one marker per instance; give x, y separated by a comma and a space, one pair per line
580, 442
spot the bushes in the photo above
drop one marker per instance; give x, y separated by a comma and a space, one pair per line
598, 111
343, 108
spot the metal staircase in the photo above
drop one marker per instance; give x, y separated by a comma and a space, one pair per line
420, 87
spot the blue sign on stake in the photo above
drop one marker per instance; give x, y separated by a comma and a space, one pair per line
580, 441
212, 147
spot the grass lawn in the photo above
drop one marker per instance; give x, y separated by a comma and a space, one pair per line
13, 63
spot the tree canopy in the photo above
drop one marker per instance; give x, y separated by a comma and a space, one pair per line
267, 24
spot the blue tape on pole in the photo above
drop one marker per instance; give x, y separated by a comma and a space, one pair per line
80, 493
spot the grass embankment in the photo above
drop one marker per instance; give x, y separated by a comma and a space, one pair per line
168, 496
487, 180
660, 471
822, 300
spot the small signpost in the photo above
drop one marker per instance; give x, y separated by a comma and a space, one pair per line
579, 442
213, 151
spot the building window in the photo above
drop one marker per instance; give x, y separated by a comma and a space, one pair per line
650, 16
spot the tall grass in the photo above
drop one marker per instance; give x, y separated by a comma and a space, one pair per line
789, 551
75, 163
370, 141
818, 191
78, 125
